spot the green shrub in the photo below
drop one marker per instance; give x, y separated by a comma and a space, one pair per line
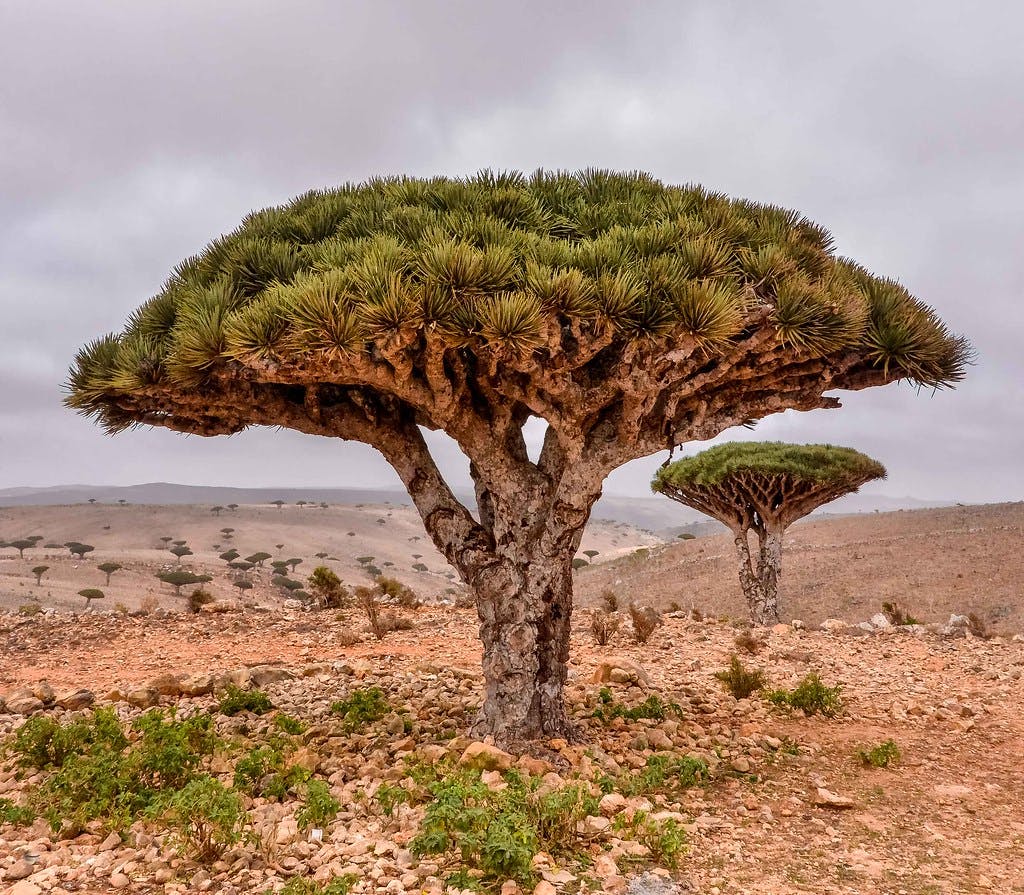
98, 773
361, 707
300, 885
740, 681
881, 756
17, 815
497, 833
810, 696
665, 839
235, 700
652, 708
205, 817
288, 724
319, 807
44, 743
389, 797
664, 774
30, 609
264, 771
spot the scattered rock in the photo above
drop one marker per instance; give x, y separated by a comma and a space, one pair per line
825, 798
73, 700
486, 757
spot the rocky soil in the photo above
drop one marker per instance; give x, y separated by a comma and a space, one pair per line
788, 808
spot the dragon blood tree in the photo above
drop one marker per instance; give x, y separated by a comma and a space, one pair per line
631, 316
764, 487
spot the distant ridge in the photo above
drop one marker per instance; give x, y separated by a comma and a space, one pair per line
651, 513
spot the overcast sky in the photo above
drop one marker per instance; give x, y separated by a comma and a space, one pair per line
132, 133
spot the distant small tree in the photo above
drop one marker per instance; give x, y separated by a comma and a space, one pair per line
166, 540
232, 506
277, 503
108, 569
243, 584
241, 564
591, 553
364, 560
764, 487
279, 547
92, 500
39, 571
321, 555
293, 562
216, 510
230, 555
300, 504
182, 578
181, 542
323, 505
78, 549
22, 545
90, 594
285, 583
258, 558
279, 566
327, 588
181, 551
122, 501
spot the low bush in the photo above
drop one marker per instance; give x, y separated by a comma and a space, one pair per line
645, 620
235, 700
288, 724
198, 599
300, 885
748, 641
653, 708
664, 773
811, 696
361, 707
741, 681
881, 756
17, 815
205, 817
664, 839
609, 600
319, 807
95, 770
603, 625
497, 833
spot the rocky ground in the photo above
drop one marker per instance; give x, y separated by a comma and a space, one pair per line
787, 808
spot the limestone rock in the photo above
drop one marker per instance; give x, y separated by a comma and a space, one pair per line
486, 757
620, 671
164, 684
73, 700
825, 798
262, 675
24, 704
19, 870
143, 697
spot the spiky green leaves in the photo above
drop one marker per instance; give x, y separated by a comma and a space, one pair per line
504, 263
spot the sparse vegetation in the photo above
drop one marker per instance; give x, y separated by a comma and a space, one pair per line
741, 682
810, 696
90, 594
235, 700
38, 572
645, 619
205, 817
319, 807
897, 615
603, 626
361, 707
881, 756
327, 588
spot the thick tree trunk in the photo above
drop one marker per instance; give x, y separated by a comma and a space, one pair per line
525, 607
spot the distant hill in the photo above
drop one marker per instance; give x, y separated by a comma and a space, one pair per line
654, 514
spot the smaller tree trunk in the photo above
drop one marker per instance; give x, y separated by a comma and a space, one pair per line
761, 584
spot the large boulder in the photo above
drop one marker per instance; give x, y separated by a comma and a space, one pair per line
616, 670
73, 700
486, 757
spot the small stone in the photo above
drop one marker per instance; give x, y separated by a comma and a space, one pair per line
595, 826
197, 684
24, 888
120, 880
24, 705
740, 765
19, 870
612, 804
486, 757
825, 798
111, 842
73, 700
544, 888
510, 887
262, 675
164, 684
143, 698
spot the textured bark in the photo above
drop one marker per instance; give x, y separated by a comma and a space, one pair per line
760, 580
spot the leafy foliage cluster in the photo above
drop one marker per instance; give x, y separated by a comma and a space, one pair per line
361, 707
766, 459
811, 696
740, 681
880, 756
652, 708
488, 262
235, 700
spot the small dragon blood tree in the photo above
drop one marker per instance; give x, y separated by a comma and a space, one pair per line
630, 315
764, 487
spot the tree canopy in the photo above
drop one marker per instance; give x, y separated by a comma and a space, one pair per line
564, 272
747, 483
